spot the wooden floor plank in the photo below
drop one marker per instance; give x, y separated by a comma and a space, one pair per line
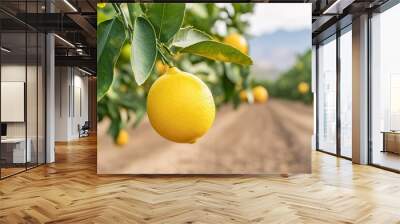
70, 191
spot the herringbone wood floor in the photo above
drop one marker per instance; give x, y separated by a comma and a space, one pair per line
69, 191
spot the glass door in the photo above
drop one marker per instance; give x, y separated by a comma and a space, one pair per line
327, 96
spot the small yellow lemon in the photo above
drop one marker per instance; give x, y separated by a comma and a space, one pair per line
180, 106
237, 41
243, 95
123, 88
122, 137
126, 52
161, 67
260, 94
101, 5
303, 87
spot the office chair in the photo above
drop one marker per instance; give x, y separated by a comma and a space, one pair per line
84, 130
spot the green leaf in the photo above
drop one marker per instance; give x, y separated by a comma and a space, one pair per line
188, 36
105, 32
134, 11
144, 50
110, 38
218, 51
166, 18
233, 72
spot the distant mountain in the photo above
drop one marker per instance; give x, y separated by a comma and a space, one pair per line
273, 53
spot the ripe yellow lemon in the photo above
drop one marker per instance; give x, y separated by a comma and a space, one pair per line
237, 41
180, 106
161, 67
243, 95
260, 94
101, 5
122, 137
303, 87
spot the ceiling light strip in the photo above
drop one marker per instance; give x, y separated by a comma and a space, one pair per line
64, 40
84, 71
337, 7
70, 5
5, 50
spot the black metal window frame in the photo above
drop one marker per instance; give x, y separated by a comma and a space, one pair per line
337, 34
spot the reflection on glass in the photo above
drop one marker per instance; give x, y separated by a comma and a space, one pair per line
15, 151
385, 93
327, 96
31, 97
22, 91
346, 94
41, 99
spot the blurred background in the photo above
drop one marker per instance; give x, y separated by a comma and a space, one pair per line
272, 136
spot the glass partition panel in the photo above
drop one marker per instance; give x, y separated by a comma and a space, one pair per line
385, 89
41, 99
346, 93
15, 152
327, 96
22, 78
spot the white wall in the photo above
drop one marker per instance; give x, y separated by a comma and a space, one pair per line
13, 73
62, 81
33, 127
71, 93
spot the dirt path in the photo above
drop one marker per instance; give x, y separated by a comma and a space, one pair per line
255, 139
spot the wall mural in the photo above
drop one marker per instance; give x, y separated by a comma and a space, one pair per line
204, 88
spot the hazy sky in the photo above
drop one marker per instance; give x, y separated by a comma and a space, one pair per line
269, 17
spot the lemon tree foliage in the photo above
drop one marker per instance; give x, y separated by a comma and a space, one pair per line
189, 36
110, 39
166, 18
218, 51
135, 37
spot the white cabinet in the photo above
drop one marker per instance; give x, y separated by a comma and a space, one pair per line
19, 155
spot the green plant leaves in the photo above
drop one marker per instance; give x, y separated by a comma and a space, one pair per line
144, 50
134, 11
189, 36
166, 18
106, 31
218, 51
110, 38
